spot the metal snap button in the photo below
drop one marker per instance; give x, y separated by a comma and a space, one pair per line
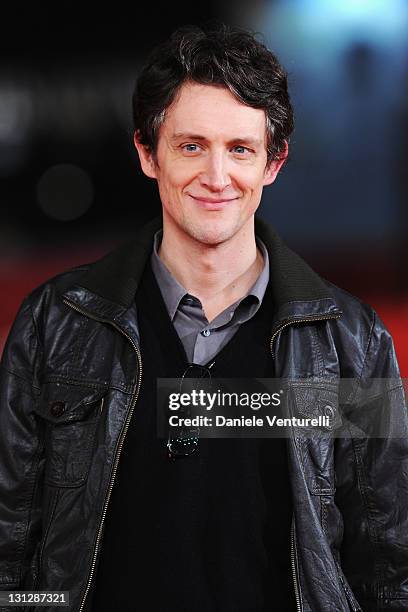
329, 411
206, 333
57, 408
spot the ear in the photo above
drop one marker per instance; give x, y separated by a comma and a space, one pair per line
146, 157
271, 171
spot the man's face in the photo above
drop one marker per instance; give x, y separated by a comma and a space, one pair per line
211, 163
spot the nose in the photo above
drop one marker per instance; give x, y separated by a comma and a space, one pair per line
215, 176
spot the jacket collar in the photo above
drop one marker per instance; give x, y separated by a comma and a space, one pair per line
110, 283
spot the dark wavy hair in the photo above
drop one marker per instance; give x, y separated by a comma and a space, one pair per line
214, 55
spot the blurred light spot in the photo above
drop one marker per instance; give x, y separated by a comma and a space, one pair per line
380, 20
15, 125
15, 114
65, 192
313, 35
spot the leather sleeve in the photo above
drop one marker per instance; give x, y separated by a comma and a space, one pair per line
21, 460
372, 481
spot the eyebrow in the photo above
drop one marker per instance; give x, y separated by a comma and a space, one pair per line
254, 142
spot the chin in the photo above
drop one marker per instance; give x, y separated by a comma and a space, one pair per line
211, 234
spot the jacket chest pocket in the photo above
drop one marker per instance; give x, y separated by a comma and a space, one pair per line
70, 415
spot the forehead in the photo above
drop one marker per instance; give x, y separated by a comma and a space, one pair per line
213, 112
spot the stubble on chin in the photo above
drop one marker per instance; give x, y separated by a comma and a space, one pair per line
210, 234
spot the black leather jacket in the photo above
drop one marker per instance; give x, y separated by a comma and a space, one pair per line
70, 377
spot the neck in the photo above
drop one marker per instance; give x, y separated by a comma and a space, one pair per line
218, 275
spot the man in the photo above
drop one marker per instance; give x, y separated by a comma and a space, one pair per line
93, 501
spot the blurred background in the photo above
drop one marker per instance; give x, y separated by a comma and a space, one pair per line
70, 184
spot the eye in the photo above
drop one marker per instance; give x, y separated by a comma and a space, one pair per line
241, 150
190, 147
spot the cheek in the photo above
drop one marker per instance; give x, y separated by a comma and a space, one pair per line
180, 175
249, 179
173, 183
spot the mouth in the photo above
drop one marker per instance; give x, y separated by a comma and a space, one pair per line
212, 203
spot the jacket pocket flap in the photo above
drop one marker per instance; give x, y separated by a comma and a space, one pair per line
64, 403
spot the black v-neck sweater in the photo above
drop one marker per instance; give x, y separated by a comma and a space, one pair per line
208, 532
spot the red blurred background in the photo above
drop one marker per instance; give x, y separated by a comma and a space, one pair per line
18, 278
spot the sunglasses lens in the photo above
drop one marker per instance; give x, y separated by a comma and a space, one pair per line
183, 441
182, 447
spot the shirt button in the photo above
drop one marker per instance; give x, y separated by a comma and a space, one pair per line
206, 333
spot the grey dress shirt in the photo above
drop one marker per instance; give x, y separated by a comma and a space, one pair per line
203, 340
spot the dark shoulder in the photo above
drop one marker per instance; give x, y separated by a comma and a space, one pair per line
58, 284
360, 333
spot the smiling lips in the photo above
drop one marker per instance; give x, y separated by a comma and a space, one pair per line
212, 203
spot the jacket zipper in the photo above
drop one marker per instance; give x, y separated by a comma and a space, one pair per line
116, 462
293, 547
294, 561
305, 320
